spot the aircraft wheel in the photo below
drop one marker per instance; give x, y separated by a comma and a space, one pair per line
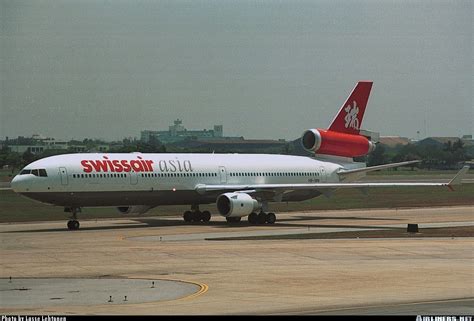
253, 218
73, 225
271, 218
188, 216
206, 216
261, 218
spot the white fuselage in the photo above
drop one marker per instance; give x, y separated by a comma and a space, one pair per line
119, 179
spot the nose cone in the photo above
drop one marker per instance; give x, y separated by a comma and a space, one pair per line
19, 184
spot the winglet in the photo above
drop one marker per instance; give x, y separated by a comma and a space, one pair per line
457, 180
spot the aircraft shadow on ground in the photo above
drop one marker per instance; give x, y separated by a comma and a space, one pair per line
147, 222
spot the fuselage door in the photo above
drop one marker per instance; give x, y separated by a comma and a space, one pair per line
223, 174
63, 174
133, 178
322, 173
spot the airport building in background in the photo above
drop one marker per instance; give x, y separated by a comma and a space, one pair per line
177, 132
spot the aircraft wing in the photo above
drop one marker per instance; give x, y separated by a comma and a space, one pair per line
255, 188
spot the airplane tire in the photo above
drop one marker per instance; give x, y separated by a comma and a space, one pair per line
188, 216
271, 218
253, 218
73, 225
206, 216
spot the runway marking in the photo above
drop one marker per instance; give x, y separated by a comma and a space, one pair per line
378, 306
203, 289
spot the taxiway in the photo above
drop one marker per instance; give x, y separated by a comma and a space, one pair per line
308, 276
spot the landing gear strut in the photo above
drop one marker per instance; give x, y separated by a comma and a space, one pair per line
73, 223
262, 218
195, 215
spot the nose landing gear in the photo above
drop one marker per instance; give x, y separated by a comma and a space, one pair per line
73, 223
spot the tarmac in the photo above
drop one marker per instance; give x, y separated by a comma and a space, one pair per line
196, 276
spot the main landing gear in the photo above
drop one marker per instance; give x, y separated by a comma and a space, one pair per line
195, 215
262, 218
73, 223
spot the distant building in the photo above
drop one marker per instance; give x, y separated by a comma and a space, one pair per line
393, 141
430, 141
34, 149
467, 141
234, 143
38, 144
177, 132
78, 148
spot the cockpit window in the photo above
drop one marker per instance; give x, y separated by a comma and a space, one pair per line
36, 172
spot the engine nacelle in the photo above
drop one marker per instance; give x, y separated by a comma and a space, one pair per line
334, 143
137, 209
236, 204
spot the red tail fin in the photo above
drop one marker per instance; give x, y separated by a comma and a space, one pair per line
349, 118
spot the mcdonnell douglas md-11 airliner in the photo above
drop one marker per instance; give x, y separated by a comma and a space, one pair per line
240, 184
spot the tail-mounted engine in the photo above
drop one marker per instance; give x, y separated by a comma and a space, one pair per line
327, 142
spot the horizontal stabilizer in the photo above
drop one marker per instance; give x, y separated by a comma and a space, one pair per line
457, 180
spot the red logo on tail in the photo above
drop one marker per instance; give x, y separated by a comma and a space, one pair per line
349, 118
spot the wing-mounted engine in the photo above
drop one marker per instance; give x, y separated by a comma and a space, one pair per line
137, 209
321, 141
236, 204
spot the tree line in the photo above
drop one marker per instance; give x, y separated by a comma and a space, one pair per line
445, 156
436, 156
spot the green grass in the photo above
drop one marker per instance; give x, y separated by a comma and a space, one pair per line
15, 208
416, 171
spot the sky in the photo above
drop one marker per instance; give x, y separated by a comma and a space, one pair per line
75, 69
